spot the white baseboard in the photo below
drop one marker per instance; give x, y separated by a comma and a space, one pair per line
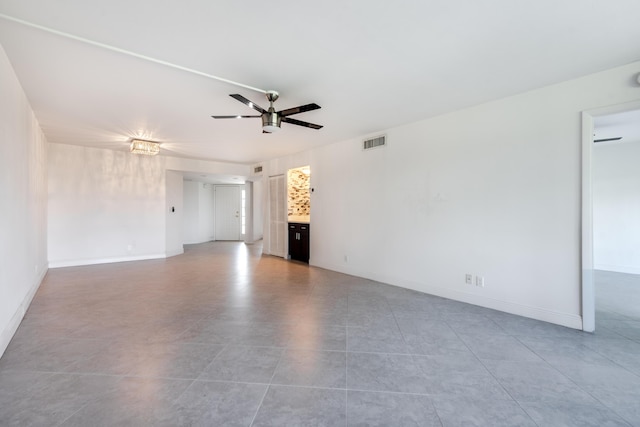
564, 319
174, 253
80, 262
618, 268
197, 242
9, 331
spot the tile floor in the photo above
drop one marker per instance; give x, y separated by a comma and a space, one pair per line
221, 336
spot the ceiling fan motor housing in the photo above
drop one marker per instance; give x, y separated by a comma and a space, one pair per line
270, 121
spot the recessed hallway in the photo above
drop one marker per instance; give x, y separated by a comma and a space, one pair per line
224, 336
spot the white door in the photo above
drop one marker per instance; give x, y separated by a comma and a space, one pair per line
228, 212
277, 215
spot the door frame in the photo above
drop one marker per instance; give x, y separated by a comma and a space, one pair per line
587, 265
240, 188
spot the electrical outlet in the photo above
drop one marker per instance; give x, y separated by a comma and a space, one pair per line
468, 279
346, 258
480, 281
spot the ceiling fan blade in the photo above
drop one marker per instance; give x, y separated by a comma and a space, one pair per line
234, 117
247, 102
300, 109
608, 139
301, 123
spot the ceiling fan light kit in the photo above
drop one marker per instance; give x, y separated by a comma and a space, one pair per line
272, 119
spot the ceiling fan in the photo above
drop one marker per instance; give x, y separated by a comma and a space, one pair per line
271, 118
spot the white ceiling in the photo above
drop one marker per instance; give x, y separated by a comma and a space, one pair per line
370, 64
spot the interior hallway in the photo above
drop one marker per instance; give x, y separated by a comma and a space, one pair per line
224, 336
618, 303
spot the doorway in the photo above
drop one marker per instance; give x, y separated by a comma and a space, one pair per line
229, 212
597, 201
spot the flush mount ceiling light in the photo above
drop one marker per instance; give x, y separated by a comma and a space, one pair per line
140, 146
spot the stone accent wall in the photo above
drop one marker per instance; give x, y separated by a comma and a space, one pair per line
298, 196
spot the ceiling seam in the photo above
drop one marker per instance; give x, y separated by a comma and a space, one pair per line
127, 52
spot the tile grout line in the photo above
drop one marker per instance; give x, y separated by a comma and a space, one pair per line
259, 405
570, 379
268, 386
491, 373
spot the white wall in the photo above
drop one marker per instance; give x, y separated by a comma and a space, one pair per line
104, 206
174, 213
109, 206
206, 212
23, 203
492, 190
258, 209
616, 206
198, 221
191, 217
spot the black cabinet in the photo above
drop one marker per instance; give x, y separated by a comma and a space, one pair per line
299, 241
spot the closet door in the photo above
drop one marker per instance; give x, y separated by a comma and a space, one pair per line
277, 215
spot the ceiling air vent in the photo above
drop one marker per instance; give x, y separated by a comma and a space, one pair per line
257, 170
378, 141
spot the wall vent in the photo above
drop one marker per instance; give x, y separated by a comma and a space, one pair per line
376, 142
257, 170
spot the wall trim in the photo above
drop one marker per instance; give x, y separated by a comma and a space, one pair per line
564, 319
9, 331
92, 261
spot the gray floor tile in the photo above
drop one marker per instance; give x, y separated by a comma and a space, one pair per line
59, 398
622, 402
597, 375
536, 382
459, 375
498, 347
120, 344
16, 389
453, 363
218, 404
559, 351
312, 336
184, 360
238, 333
625, 353
376, 339
384, 372
50, 355
424, 336
244, 364
301, 406
312, 368
572, 415
390, 409
626, 328
461, 411
372, 321
134, 401
473, 324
